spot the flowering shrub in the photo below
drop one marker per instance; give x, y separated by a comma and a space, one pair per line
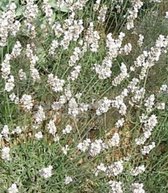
79, 112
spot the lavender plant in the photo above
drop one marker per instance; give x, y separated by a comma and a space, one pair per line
83, 96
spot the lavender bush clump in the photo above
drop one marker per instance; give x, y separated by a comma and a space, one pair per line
84, 92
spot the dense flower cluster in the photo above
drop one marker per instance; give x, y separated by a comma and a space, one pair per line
116, 187
46, 172
13, 189
8, 24
133, 13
